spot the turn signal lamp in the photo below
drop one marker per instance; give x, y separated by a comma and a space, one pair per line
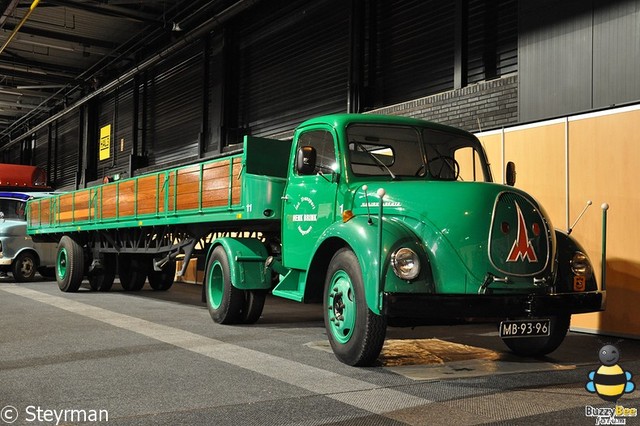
347, 215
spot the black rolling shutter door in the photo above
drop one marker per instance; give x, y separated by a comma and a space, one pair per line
492, 31
116, 109
416, 39
12, 155
67, 151
293, 63
105, 117
42, 149
174, 117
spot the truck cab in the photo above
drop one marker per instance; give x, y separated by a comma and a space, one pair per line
19, 254
392, 220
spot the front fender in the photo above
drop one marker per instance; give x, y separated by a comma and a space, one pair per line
362, 238
246, 262
565, 279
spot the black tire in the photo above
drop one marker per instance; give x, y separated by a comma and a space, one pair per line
133, 270
252, 306
162, 280
24, 267
355, 333
539, 346
69, 265
224, 301
103, 280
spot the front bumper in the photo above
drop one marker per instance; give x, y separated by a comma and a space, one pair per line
451, 307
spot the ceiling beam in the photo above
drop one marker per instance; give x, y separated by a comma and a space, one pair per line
37, 77
8, 11
17, 60
55, 35
106, 9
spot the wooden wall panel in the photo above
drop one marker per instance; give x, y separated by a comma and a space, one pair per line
492, 143
599, 160
539, 155
604, 152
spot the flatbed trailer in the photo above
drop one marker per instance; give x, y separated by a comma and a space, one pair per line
150, 219
383, 220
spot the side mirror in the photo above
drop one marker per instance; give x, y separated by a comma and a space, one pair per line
511, 173
306, 160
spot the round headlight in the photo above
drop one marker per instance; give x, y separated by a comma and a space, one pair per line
405, 263
580, 265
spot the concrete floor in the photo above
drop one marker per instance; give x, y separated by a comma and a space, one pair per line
154, 358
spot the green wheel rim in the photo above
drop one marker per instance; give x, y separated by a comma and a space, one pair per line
216, 284
61, 264
341, 304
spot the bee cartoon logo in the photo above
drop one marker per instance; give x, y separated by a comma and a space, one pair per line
610, 381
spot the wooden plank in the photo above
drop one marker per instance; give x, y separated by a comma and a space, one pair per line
147, 194
126, 198
45, 212
236, 185
34, 214
107, 209
65, 208
81, 206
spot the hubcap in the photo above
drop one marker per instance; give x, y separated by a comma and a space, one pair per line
26, 267
61, 265
342, 307
215, 285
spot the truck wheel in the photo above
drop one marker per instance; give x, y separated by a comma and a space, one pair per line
24, 267
162, 280
355, 333
132, 270
539, 346
224, 301
252, 306
103, 281
69, 265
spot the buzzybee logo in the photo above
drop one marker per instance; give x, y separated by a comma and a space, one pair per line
610, 381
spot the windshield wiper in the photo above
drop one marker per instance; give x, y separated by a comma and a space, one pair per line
376, 159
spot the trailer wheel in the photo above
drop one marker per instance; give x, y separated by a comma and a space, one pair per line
224, 301
355, 333
69, 265
162, 280
24, 267
252, 306
132, 270
104, 280
539, 346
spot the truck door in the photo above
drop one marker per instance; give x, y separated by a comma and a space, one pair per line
309, 201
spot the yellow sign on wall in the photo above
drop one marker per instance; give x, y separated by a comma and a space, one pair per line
105, 142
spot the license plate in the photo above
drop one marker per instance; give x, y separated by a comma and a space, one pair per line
525, 328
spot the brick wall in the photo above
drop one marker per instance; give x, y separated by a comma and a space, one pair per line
481, 106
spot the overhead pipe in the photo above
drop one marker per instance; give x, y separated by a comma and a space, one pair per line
17, 28
202, 30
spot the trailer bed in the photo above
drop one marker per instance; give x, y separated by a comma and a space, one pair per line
239, 187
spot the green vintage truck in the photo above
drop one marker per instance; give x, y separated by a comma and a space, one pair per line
384, 220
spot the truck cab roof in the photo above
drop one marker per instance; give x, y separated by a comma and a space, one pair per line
343, 120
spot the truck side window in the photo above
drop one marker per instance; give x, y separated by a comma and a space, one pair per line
322, 142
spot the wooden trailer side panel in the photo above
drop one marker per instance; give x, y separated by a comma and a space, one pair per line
207, 187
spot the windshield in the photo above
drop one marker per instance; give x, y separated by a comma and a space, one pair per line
403, 151
12, 209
